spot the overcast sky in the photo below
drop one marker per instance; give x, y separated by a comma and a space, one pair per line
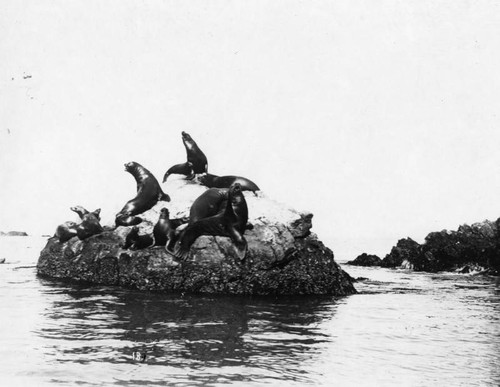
381, 118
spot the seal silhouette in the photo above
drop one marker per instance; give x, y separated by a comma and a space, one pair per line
80, 211
134, 241
90, 225
214, 181
196, 160
149, 193
164, 229
67, 230
231, 221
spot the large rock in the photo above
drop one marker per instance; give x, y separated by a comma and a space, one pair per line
284, 257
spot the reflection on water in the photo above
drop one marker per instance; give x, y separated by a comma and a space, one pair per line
109, 324
402, 328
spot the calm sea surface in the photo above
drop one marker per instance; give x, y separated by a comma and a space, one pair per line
402, 329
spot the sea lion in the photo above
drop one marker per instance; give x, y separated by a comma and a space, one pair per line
90, 225
180, 169
214, 181
66, 231
149, 193
230, 223
196, 160
164, 230
210, 203
134, 241
79, 210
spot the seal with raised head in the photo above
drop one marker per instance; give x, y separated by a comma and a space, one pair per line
231, 222
67, 230
90, 225
149, 193
80, 211
134, 241
214, 181
164, 229
196, 160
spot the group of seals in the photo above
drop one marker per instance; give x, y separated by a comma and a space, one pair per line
197, 164
221, 210
89, 225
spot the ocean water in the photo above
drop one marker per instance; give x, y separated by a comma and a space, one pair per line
401, 329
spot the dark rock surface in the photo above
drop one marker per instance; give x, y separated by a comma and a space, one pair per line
469, 249
402, 253
365, 260
284, 257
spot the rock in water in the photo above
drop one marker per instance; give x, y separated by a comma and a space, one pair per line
284, 257
366, 260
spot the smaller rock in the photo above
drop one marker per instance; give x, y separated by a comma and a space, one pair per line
2, 260
13, 233
366, 260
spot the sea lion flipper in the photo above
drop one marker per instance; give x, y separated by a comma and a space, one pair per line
162, 196
213, 225
241, 251
165, 176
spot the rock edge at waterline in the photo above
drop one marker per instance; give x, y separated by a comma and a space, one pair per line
284, 257
470, 249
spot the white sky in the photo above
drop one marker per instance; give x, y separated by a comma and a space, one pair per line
381, 118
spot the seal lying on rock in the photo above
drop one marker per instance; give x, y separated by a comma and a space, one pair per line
90, 225
231, 222
180, 169
67, 230
196, 160
214, 181
149, 193
134, 241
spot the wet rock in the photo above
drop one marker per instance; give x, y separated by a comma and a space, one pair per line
470, 249
404, 250
366, 260
284, 257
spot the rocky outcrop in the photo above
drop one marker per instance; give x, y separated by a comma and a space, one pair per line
13, 233
471, 248
365, 260
401, 254
284, 257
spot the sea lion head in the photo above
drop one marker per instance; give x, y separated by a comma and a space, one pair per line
186, 137
164, 213
130, 166
235, 188
79, 210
